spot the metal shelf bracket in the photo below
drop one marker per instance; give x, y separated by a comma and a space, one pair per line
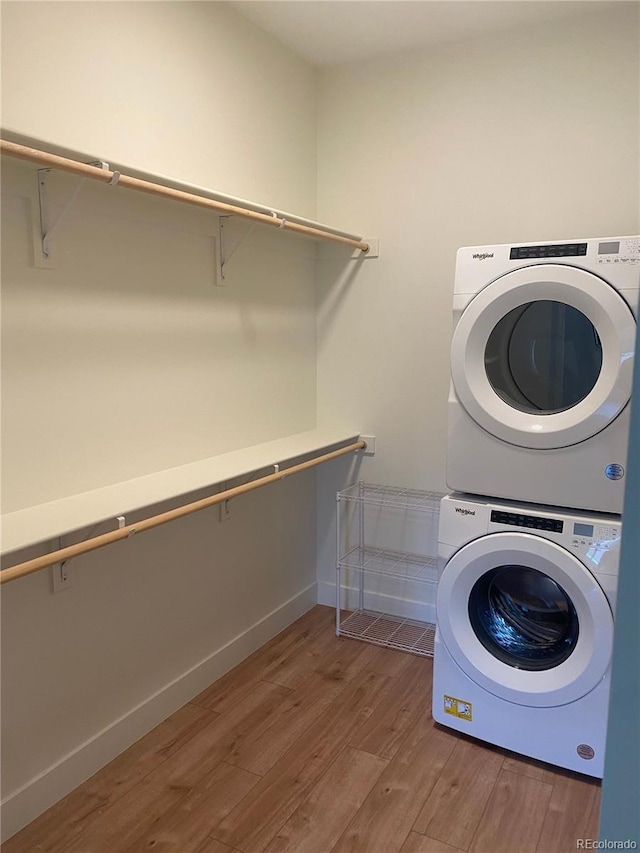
48, 228
221, 253
223, 259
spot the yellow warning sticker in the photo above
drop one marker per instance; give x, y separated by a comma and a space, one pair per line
458, 708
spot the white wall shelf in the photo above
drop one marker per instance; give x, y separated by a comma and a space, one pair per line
85, 166
45, 522
367, 516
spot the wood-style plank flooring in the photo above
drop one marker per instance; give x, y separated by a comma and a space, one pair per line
317, 744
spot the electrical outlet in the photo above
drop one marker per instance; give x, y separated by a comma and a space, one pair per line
61, 576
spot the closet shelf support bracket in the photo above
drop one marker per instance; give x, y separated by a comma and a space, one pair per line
223, 256
47, 228
42, 206
221, 260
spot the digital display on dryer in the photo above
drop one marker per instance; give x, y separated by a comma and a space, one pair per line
611, 248
583, 530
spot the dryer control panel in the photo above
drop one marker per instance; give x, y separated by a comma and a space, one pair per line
614, 258
623, 251
557, 250
619, 251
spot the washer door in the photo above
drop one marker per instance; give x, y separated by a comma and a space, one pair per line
542, 357
524, 619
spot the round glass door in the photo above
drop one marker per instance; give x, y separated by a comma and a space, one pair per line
523, 617
542, 357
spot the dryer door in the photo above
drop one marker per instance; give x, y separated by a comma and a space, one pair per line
524, 619
542, 357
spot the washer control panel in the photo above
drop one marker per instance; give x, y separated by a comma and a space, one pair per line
594, 538
601, 536
588, 537
530, 521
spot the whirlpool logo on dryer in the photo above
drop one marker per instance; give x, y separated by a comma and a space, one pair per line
481, 256
463, 511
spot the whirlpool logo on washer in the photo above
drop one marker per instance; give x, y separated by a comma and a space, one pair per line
463, 511
481, 256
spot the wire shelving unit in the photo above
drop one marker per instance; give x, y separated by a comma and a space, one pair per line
366, 514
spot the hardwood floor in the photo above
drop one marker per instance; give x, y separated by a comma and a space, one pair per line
315, 744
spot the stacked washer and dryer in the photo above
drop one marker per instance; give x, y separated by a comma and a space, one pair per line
529, 541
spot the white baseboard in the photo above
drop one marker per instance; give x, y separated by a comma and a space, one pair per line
22, 806
424, 611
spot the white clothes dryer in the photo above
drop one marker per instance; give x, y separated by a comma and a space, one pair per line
525, 619
541, 371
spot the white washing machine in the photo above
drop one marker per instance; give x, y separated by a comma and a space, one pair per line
541, 371
524, 634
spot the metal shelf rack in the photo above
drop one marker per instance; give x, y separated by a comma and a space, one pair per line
392, 496
386, 545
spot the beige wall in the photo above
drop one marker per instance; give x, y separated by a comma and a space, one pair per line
125, 358
186, 89
519, 136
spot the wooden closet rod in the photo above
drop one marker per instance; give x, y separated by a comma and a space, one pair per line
20, 569
84, 170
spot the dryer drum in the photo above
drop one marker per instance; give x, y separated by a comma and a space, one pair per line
523, 618
544, 356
